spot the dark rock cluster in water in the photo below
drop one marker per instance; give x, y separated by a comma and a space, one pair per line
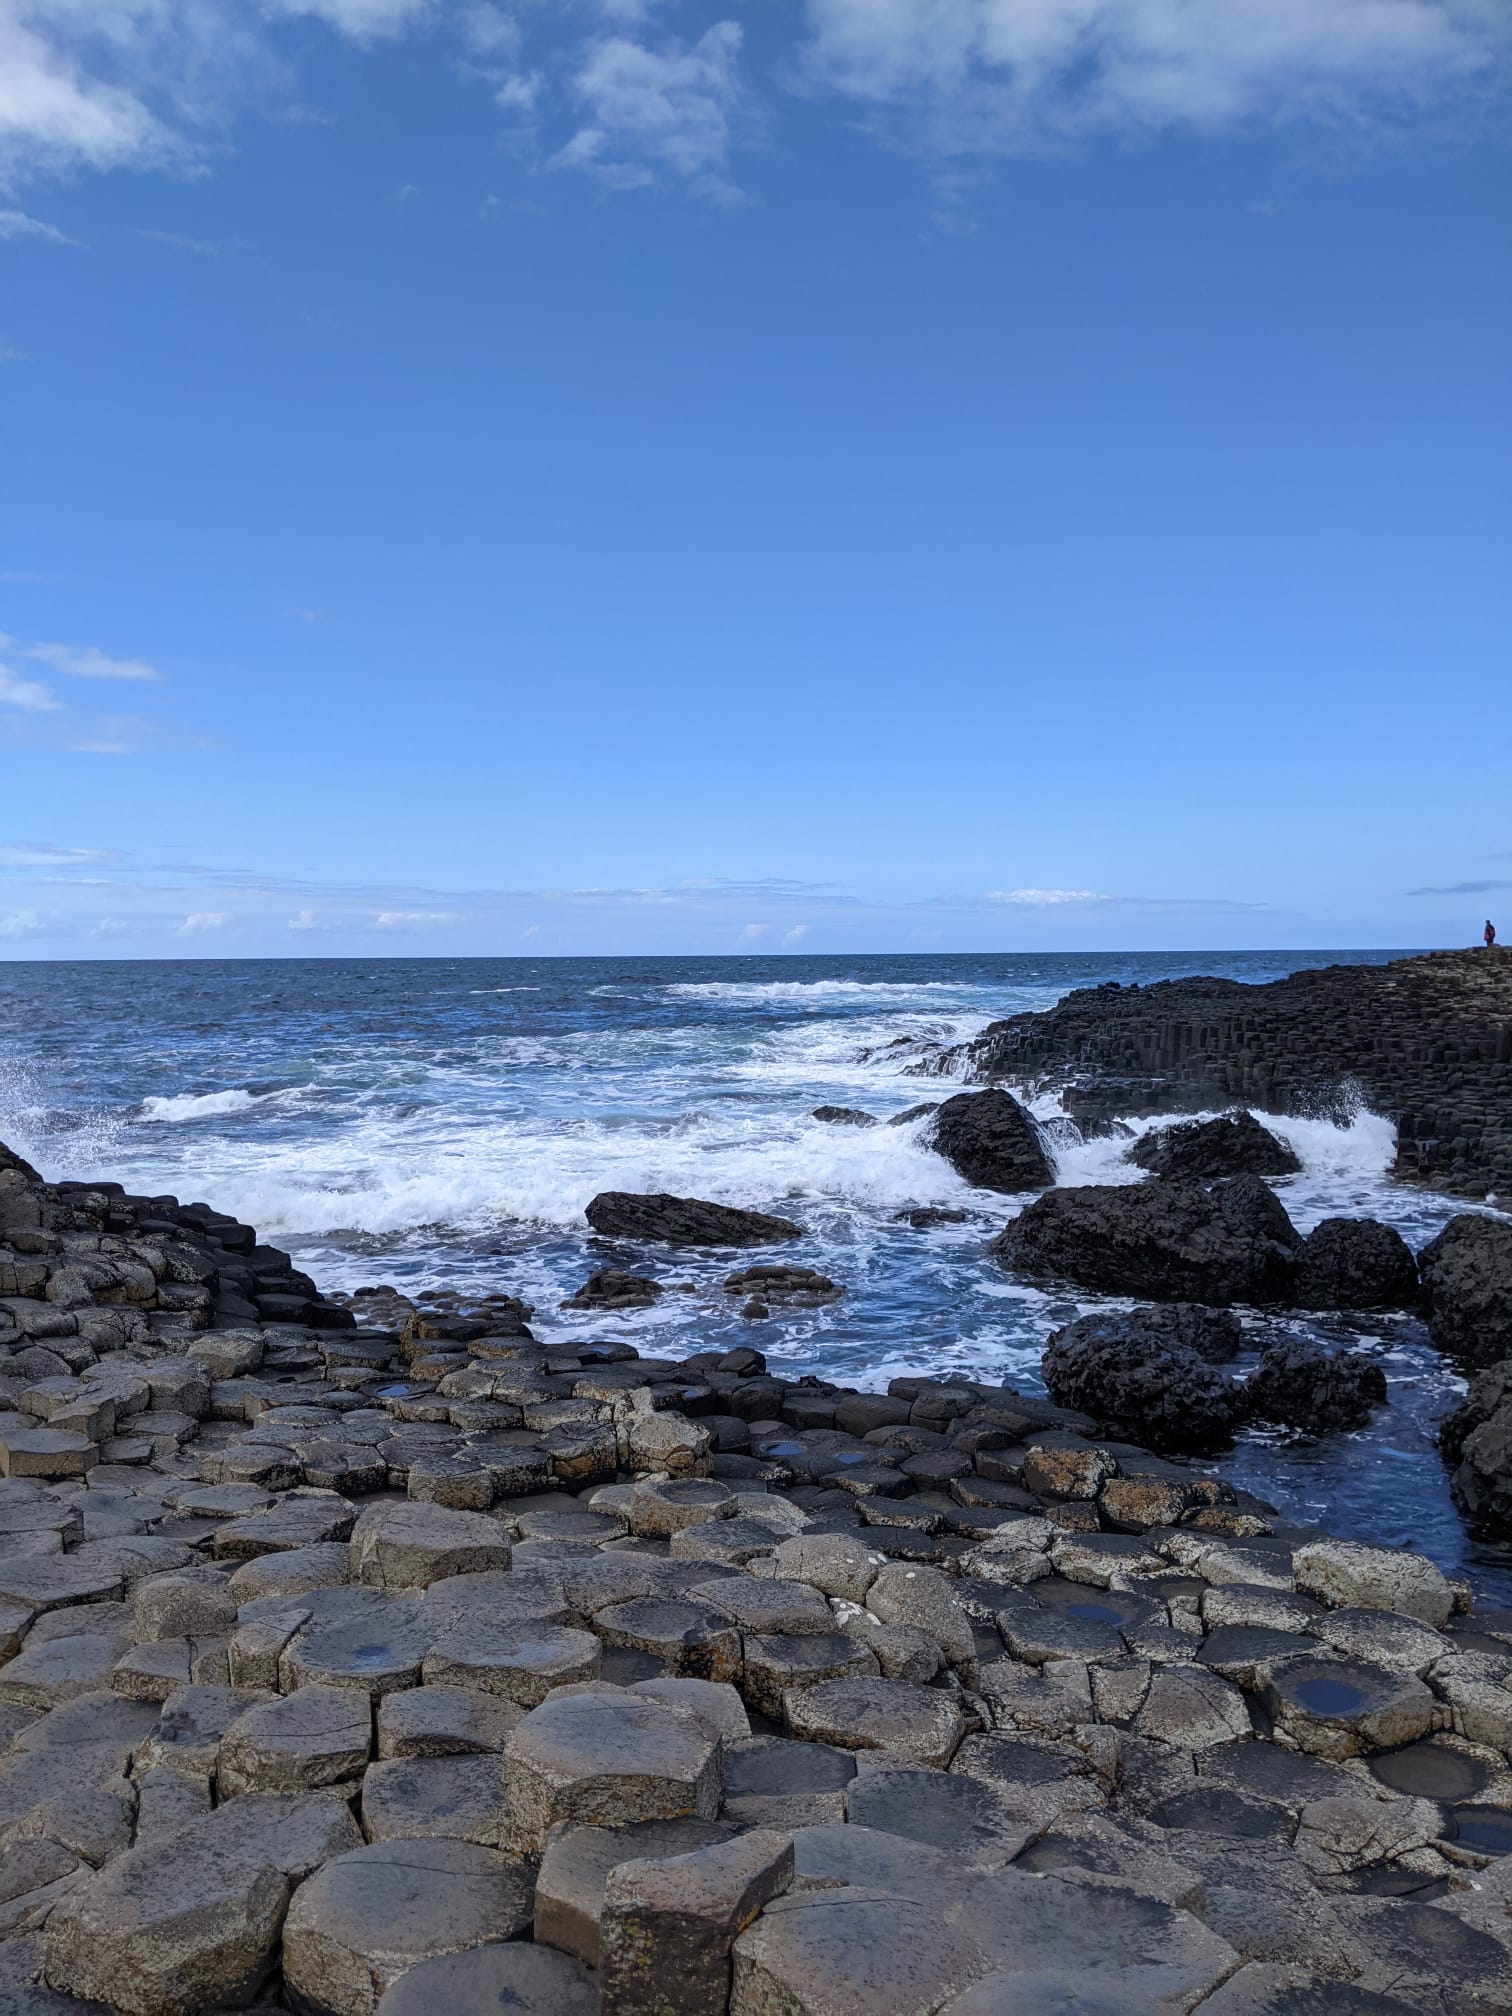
393, 1660
1426, 1041
1218, 1243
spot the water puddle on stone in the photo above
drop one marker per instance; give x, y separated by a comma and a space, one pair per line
1095, 1613
1328, 1697
1487, 1829
1428, 1771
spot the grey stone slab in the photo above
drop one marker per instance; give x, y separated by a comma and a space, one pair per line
668, 1925
575, 1868
365, 1919
456, 1798
607, 1757
524, 1980
850, 1952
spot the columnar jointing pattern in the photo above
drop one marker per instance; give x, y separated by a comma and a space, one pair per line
1426, 1041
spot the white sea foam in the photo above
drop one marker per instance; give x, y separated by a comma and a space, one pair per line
1346, 1169
196, 1106
805, 992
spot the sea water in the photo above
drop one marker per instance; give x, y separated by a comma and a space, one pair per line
444, 1122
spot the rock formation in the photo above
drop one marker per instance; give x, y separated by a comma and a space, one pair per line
1355, 1263
1141, 1387
1179, 1242
1426, 1041
1467, 1289
1234, 1144
991, 1140
683, 1221
387, 1661
1298, 1384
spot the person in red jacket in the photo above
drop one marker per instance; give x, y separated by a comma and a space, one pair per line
1489, 934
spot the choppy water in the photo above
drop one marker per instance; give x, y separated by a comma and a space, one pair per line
444, 1122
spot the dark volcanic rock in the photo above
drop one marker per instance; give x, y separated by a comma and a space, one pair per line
923, 1216
613, 1288
1171, 1242
1216, 1335
1356, 1263
1427, 1039
798, 1285
1235, 1144
1476, 1442
1467, 1289
1300, 1385
991, 1140
1140, 1386
844, 1116
683, 1221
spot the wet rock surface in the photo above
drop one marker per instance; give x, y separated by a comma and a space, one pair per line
1300, 1385
385, 1660
683, 1221
991, 1140
1141, 1386
1233, 1144
1467, 1289
1159, 1240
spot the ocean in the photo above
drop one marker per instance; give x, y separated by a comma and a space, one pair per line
444, 1122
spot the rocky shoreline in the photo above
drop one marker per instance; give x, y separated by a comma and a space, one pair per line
1426, 1041
365, 1656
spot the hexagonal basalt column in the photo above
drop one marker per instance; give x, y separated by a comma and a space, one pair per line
606, 1757
1341, 1708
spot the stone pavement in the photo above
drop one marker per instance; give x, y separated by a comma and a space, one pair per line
370, 1658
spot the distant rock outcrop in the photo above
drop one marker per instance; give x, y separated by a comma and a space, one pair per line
991, 1140
683, 1221
1426, 1041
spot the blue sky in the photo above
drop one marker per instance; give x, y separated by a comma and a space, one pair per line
640, 475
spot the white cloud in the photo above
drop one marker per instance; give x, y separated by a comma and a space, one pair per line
363, 20
16, 223
201, 921
180, 241
84, 662
30, 695
76, 74
656, 111
39, 855
796, 936
20, 924
1038, 899
1008, 75
487, 30
106, 743
413, 920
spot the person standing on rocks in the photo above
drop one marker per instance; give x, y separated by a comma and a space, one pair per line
1489, 934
